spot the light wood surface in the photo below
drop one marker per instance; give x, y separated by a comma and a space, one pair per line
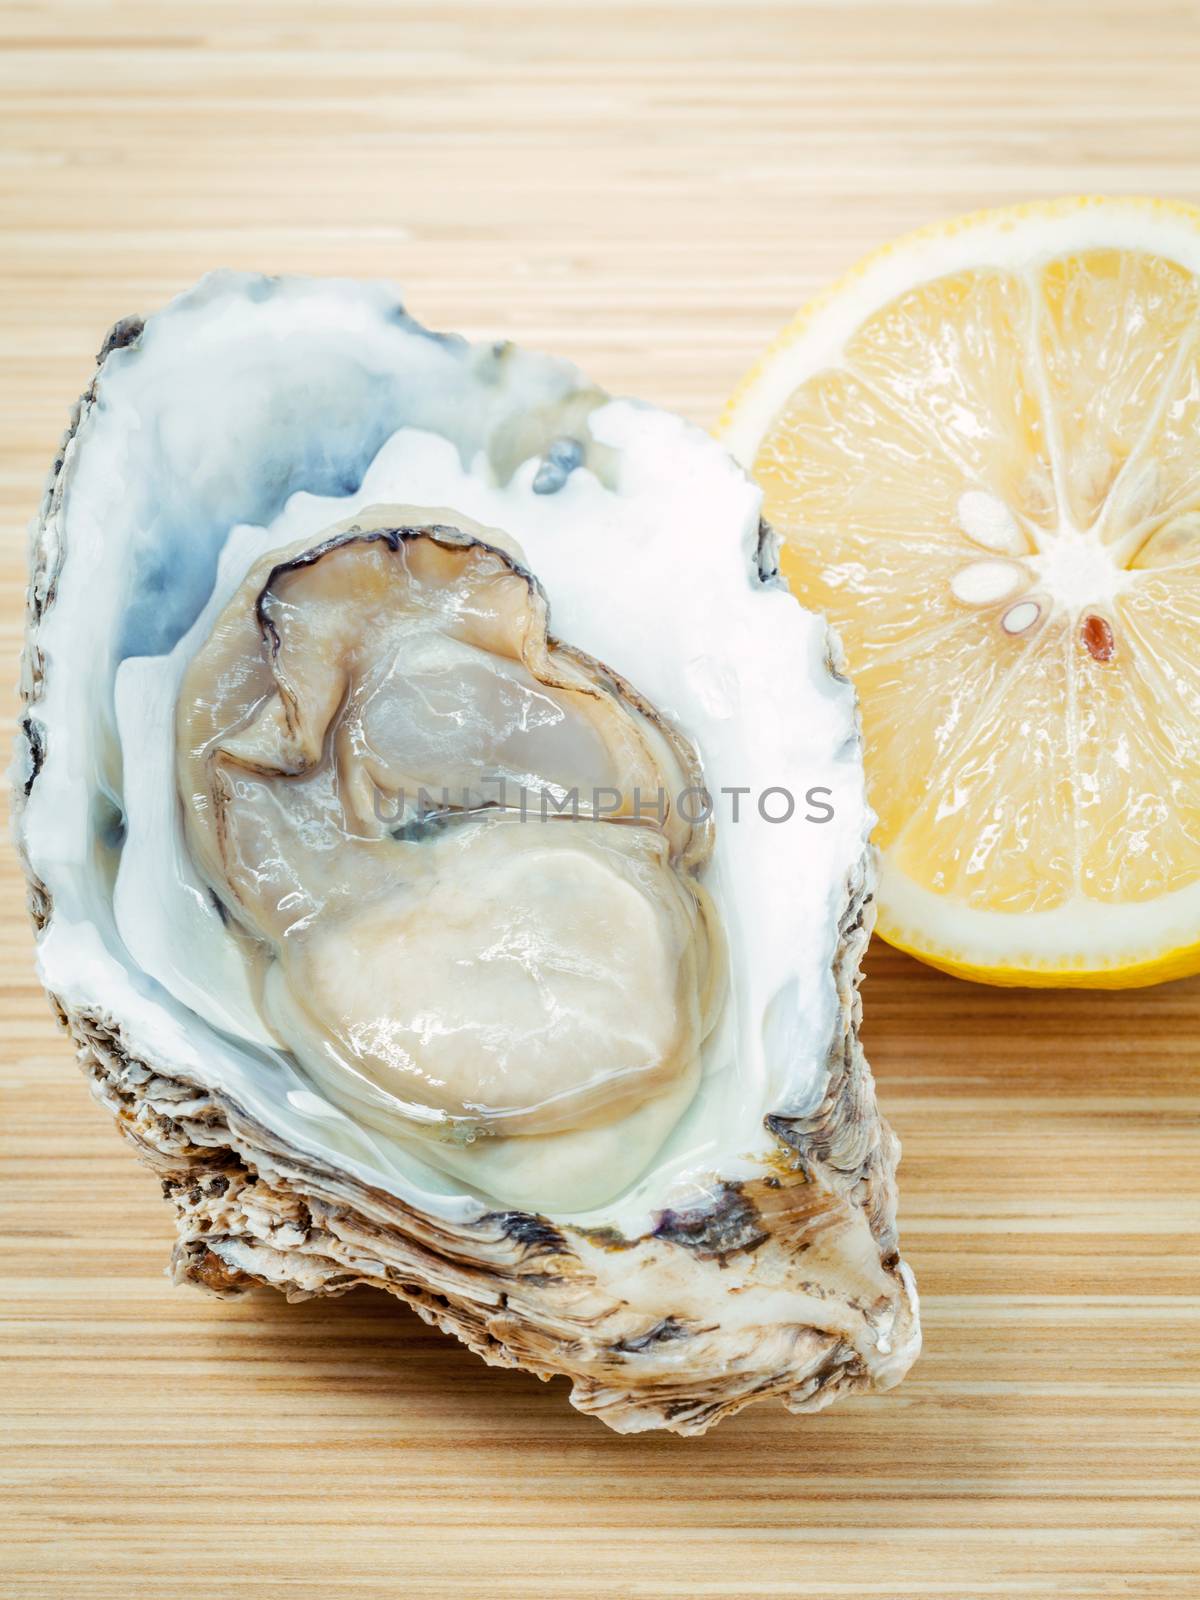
649, 189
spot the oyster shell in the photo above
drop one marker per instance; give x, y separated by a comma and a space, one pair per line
708, 1222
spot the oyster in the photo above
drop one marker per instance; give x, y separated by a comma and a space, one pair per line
447, 845
453, 971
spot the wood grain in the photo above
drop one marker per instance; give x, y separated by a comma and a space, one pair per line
650, 189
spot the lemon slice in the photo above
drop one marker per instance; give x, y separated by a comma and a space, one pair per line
982, 449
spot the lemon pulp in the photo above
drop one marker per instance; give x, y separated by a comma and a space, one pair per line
992, 487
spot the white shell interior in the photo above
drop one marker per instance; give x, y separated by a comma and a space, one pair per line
253, 412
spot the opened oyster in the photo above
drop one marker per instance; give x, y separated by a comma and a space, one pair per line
447, 843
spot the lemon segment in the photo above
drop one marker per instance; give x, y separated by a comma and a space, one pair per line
982, 450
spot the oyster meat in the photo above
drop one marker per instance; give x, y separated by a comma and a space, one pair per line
447, 844
362, 739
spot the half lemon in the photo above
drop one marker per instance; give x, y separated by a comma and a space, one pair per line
982, 451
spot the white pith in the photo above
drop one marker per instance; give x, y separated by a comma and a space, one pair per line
1072, 573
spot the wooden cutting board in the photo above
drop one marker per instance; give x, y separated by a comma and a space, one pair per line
649, 189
